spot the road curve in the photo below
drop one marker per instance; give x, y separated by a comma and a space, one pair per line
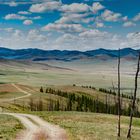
27, 94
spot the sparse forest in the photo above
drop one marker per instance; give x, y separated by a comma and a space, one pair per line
86, 103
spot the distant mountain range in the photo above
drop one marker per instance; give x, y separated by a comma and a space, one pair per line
44, 55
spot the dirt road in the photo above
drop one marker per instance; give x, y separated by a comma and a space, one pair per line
36, 128
27, 94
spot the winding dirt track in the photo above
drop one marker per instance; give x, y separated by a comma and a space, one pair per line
16, 98
36, 128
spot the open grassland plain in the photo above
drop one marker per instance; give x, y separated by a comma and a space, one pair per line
91, 126
100, 74
9, 127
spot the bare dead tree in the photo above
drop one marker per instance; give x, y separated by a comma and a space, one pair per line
134, 98
119, 99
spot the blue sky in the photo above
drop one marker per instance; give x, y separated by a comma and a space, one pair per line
69, 24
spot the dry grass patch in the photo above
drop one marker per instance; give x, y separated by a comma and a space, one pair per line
91, 126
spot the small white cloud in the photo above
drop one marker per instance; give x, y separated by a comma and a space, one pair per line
28, 22
93, 33
108, 15
137, 17
13, 4
24, 13
75, 8
46, 6
99, 25
14, 16
129, 24
125, 18
37, 17
72, 28
75, 18
20, 17
97, 7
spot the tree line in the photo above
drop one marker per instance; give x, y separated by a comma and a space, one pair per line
84, 103
111, 92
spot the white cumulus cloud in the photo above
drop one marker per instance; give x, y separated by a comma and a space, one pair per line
28, 22
44, 7
75, 8
99, 25
93, 33
108, 15
73, 28
24, 13
13, 4
97, 7
14, 16
75, 18
34, 35
129, 24
137, 17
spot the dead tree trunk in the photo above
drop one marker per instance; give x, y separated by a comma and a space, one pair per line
134, 98
119, 102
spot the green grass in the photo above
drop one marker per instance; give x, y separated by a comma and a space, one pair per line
97, 74
91, 126
9, 127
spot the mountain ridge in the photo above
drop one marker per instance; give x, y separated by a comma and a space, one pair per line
36, 54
